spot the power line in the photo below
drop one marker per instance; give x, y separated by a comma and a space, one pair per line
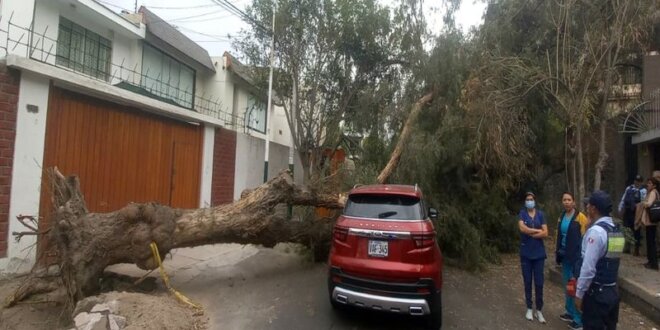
182, 7
241, 14
193, 16
206, 19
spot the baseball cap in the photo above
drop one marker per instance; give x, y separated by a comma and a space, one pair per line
602, 201
639, 178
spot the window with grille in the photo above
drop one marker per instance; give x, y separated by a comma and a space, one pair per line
166, 77
256, 113
82, 50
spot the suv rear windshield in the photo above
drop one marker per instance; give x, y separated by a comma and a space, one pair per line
393, 207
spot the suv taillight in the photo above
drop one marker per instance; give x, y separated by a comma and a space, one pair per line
340, 233
423, 240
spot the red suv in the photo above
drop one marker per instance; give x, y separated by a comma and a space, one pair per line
384, 255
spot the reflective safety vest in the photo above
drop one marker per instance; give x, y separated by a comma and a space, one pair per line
607, 267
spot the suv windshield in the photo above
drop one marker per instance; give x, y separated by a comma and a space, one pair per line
391, 207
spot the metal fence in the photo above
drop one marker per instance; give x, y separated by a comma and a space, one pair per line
96, 63
645, 116
629, 75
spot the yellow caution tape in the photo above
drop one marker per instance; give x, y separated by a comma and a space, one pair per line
166, 279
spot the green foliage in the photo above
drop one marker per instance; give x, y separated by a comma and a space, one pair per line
476, 229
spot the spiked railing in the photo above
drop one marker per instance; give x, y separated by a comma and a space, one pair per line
39, 46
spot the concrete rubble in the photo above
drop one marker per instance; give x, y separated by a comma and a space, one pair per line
98, 316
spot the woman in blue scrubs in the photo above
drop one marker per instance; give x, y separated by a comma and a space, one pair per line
533, 229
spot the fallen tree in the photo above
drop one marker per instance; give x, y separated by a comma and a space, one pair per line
89, 242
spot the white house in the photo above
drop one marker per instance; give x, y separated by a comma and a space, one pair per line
126, 102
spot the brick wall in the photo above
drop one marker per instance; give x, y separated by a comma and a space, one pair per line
224, 161
9, 83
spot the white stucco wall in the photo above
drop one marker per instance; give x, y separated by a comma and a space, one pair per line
235, 97
20, 13
249, 166
44, 40
27, 170
207, 166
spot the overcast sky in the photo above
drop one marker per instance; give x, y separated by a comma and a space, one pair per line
212, 27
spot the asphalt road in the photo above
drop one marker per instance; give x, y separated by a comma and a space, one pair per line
275, 290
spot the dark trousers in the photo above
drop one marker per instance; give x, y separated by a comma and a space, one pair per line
629, 221
600, 308
532, 272
651, 247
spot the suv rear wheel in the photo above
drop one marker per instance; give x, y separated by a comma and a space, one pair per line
434, 320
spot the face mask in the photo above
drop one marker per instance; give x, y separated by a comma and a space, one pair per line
530, 204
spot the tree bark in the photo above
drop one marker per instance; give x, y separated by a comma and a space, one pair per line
580, 160
89, 242
602, 156
385, 174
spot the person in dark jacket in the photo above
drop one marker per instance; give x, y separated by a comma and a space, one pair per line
570, 227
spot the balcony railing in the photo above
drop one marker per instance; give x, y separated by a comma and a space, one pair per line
628, 83
40, 47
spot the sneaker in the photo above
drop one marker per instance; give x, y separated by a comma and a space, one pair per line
529, 316
540, 317
566, 317
575, 326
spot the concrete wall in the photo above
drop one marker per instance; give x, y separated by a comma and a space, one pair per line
20, 13
27, 168
207, 166
651, 76
250, 162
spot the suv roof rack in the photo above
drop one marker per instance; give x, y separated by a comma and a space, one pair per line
357, 185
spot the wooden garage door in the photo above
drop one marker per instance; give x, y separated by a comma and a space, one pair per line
121, 154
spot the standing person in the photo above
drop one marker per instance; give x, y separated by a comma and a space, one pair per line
533, 229
570, 228
633, 194
597, 295
651, 228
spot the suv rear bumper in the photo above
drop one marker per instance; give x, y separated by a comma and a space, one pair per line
381, 303
414, 298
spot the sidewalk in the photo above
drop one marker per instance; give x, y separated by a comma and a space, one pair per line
639, 287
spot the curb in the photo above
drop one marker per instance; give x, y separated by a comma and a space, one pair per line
631, 293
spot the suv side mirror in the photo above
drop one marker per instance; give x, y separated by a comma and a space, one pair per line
433, 213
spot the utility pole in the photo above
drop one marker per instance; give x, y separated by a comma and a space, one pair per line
270, 93
136, 7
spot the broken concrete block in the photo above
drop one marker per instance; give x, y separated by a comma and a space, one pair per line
87, 321
81, 319
101, 308
86, 305
99, 323
116, 322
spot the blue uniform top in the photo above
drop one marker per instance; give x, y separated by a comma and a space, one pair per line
530, 247
563, 227
594, 246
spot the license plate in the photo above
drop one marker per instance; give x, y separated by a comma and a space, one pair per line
378, 248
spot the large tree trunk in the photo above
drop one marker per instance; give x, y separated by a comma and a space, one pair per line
602, 156
602, 151
89, 242
385, 174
